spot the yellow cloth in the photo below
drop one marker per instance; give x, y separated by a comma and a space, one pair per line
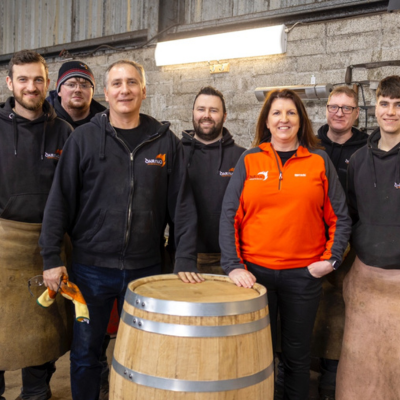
71, 292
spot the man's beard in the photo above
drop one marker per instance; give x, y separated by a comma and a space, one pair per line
80, 106
212, 134
32, 105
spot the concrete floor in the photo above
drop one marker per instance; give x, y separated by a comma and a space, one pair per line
60, 384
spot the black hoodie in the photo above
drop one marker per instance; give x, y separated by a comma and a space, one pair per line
374, 204
29, 153
114, 203
340, 153
54, 100
210, 168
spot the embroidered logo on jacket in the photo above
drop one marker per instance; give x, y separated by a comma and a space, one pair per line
54, 156
397, 185
159, 160
227, 174
263, 177
346, 161
300, 174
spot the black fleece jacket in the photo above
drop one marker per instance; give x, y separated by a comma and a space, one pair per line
210, 168
113, 203
29, 154
54, 100
374, 204
340, 153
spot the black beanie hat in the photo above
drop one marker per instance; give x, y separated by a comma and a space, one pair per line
74, 69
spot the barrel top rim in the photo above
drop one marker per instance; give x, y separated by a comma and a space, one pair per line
211, 277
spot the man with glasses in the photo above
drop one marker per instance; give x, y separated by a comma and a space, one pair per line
73, 97
32, 138
340, 140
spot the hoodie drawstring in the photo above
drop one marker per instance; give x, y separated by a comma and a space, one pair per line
397, 182
42, 146
103, 137
15, 131
220, 156
372, 162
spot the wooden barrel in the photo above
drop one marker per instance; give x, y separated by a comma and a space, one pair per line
193, 341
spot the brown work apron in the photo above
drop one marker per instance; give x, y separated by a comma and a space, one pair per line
369, 366
29, 334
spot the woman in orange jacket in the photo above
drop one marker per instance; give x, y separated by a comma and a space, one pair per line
285, 224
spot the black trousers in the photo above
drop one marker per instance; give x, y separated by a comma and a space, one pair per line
35, 382
295, 294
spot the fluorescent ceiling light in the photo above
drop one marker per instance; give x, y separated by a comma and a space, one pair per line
223, 46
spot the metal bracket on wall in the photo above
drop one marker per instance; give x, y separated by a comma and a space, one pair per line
371, 65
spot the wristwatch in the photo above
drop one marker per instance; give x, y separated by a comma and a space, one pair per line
335, 264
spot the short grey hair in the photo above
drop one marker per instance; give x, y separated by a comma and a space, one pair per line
139, 68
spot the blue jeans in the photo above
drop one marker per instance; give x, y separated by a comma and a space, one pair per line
100, 287
295, 295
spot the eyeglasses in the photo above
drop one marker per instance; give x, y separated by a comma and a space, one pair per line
38, 281
345, 109
73, 86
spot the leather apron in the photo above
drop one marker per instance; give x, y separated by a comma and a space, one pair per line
369, 367
29, 334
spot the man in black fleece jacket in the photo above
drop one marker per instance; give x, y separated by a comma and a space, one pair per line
210, 155
340, 139
73, 97
372, 287
119, 177
31, 142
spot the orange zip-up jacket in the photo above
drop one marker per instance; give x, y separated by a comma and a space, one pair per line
274, 216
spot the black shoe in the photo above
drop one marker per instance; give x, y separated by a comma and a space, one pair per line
48, 396
327, 395
104, 389
278, 392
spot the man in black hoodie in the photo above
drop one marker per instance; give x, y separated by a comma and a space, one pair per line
73, 97
210, 155
31, 142
119, 178
340, 140
74, 103
372, 287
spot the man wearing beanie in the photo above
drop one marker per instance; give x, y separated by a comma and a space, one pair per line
73, 102
73, 97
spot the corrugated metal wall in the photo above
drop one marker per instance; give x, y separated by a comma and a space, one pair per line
41, 23
206, 10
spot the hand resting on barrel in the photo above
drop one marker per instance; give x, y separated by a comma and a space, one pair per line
242, 278
51, 277
320, 268
190, 277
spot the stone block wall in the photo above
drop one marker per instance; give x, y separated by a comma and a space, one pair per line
321, 49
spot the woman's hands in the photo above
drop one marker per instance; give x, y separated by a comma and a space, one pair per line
242, 278
320, 268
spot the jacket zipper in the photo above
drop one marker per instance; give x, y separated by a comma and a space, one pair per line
131, 190
279, 168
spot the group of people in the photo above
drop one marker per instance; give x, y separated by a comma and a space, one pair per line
276, 213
